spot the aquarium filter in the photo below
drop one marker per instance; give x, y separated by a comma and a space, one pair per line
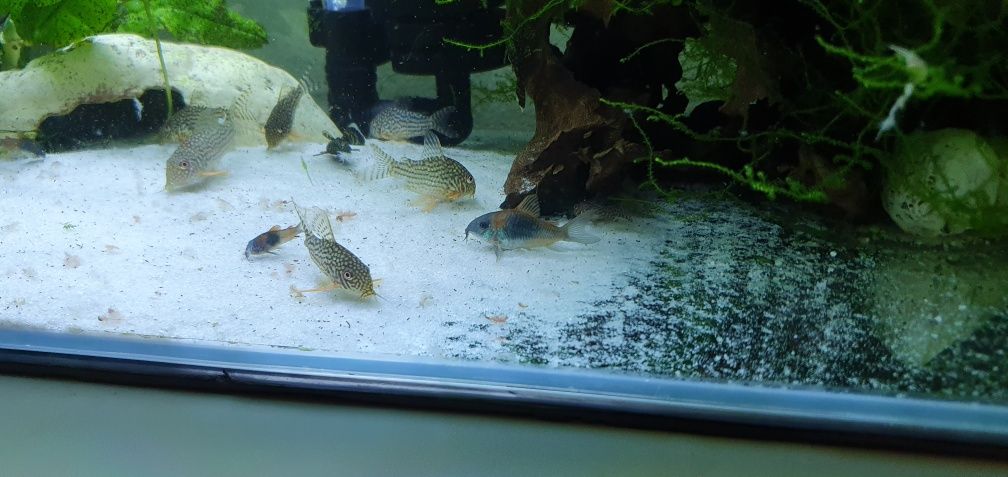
358, 36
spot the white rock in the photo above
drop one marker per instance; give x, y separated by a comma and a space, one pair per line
946, 182
108, 68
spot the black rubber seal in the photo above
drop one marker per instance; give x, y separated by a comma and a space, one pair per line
553, 395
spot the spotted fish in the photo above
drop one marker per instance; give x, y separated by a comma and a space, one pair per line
394, 121
198, 156
436, 177
17, 148
335, 148
281, 118
270, 240
522, 227
336, 262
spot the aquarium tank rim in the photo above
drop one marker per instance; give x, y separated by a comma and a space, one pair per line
585, 396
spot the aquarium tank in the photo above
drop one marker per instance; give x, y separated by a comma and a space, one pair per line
804, 198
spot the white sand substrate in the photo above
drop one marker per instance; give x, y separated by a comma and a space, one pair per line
91, 243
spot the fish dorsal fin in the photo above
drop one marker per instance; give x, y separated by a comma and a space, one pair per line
315, 221
284, 90
239, 110
209, 117
431, 146
274, 228
530, 205
292, 94
380, 167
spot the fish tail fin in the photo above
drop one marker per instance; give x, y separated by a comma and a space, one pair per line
380, 167
441, 122
576, 230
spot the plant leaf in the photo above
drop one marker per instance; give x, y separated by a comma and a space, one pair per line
207, 22
706, 74
58, 23
10, 6
725, 64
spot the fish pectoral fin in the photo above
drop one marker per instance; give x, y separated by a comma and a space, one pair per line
324, 288
376, 282
428, 202
212, 173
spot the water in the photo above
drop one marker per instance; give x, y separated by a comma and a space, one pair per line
716, 283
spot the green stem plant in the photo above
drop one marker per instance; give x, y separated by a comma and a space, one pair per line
160, 55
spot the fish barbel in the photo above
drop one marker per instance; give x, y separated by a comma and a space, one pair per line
281, 118
336, 262
395, 121
436, 177
198, 156
270, 240
522, 227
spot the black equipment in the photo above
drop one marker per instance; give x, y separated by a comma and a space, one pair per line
359, 35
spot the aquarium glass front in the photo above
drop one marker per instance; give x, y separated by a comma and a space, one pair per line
797, 194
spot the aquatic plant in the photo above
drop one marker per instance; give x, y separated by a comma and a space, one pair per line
206, 23
57, 23
808, 100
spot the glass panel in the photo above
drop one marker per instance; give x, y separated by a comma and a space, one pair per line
655, 189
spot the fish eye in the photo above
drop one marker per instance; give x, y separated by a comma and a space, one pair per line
184, 164
469, 180
484, 225
346, 275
